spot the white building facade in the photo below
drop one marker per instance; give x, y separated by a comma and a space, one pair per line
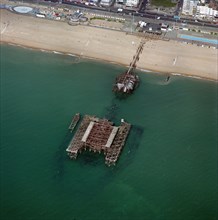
204, 11
132, 3
189, 7
106, 2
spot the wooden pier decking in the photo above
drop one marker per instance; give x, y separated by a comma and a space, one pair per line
99, 135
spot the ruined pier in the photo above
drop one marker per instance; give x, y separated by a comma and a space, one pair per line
128, 81
99, 135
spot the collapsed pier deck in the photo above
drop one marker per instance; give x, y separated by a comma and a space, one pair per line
99, 135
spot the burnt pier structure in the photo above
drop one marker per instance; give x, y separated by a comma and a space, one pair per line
99, 135
128, 81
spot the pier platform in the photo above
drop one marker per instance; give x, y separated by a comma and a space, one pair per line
100, 136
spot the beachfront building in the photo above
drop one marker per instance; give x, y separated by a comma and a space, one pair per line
106, 2
132, 3
120, 4
205, 11
189, 7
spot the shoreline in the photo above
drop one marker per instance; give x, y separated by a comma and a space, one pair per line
106, 61
165, 57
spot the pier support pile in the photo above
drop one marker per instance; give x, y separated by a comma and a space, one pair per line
99, 135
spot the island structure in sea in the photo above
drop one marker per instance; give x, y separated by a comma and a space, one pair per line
99, 135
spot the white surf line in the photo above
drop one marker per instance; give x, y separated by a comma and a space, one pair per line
174, 62
56, 52
72, 55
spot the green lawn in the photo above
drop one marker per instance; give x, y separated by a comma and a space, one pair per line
165, 3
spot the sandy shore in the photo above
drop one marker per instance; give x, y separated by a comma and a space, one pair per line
113, 46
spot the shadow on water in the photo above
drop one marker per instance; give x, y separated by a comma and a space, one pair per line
61, 155
130, 149
97, 161
111, 112
132, 143
122, 96
90, 158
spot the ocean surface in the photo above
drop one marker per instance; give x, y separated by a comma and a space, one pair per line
167, 170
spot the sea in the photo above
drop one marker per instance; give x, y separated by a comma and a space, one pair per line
167, 169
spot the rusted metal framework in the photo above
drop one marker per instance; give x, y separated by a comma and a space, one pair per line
99, 135
128, 81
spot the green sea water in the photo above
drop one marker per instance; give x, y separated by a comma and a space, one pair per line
167, 170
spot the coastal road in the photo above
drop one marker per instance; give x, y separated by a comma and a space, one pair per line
128, 13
